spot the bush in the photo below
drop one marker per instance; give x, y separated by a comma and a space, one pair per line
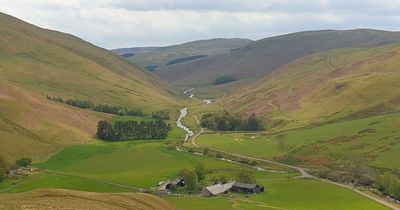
218, 155
206, 151
333, 176
24, 162
323, 172
171, 147
346, 179
245, 176
3, 174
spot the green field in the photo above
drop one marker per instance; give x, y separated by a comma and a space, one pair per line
145, 163
377, 138
134, 163
284, 194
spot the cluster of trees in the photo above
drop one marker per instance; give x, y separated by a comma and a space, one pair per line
131, 130
228, 122
117, 110
388, 184
224, 79
195, 178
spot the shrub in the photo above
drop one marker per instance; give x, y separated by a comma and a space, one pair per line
25, 162
206, 151
2, 174
333, 176
245, 176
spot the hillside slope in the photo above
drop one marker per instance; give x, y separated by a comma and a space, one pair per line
36, 62
68, 199
263, 56
328, 86
156, 58
54, 63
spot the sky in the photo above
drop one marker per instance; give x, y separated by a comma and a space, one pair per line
133, 23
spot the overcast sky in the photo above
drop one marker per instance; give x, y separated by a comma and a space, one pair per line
122, 23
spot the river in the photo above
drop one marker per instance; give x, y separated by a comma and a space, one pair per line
184, 113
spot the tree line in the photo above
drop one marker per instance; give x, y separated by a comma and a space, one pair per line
132, 130
117, 110
230, 122
388, 184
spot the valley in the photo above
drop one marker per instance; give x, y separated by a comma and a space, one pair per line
310, 117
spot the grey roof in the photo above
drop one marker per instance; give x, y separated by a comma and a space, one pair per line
244, 185
219, 188
177, 180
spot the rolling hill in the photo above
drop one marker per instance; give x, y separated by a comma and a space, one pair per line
36, 62
261, 57
157, 58
334, 85
68, 199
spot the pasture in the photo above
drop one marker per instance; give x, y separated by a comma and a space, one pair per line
135, 163
377, 138
284, 194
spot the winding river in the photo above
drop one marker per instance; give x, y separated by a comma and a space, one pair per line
184, 113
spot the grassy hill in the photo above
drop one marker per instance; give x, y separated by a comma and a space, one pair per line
160, 57
330, 86
36, 62
261, 57
68, 199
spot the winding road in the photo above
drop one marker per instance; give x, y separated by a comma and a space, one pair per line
302, 171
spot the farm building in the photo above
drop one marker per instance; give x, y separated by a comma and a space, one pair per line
178, 182
170, 185
246, 188
217, 189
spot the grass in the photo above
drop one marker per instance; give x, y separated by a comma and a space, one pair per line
135, 163
376, 138
284, 194
47, 180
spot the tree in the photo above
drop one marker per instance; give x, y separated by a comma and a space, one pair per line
2, 174
24, 162
105, 131
200, 171
222, 179
3, 164
252, 123
355, 166
245, 176
191, 181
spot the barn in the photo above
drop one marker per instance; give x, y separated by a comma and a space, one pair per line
246, 188
217, 189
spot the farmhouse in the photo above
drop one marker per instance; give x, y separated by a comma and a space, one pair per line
246, 188
217, 189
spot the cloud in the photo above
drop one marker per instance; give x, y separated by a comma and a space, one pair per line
123, 23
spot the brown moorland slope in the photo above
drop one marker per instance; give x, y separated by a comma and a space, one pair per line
261, 57
76, 200
329, 86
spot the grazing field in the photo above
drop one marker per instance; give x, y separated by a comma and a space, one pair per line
376, 138
135, 163
284, 194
